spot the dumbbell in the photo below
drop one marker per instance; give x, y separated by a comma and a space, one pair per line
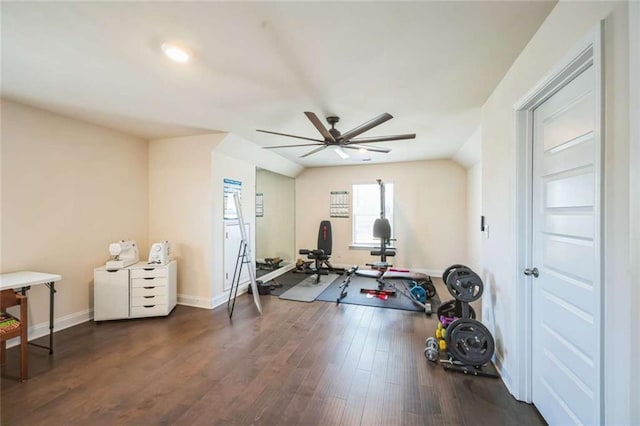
431, 349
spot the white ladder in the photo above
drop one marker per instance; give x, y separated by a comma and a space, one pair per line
244, 257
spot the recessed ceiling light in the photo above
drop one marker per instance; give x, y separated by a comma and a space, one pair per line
176, 52
363, 150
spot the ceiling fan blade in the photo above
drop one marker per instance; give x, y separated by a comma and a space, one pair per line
292, 146
290, 136
314, 151
368, 148
383, 138
318, 125
366, 126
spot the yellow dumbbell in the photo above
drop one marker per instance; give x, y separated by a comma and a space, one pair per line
442, 344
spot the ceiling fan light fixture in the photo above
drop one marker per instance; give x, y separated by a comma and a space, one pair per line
341, 153
176, 52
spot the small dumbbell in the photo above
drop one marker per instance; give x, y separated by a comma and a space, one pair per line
447, 320
442, 344
431, 349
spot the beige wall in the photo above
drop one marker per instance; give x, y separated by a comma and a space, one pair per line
474, 211
430, 207
68, 190
180, 208
186, 204
275, 231
559, 34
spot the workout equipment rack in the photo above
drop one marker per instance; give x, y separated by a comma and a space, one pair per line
468, 343
244, 258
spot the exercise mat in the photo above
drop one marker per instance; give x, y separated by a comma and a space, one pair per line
307, 290
354, 297
286, 281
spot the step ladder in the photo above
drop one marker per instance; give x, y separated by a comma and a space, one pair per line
244, 258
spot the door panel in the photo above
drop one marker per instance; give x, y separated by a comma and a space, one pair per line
570, 191
571, 155
566, 251
565, 287
569, 122
562, 254
578, 224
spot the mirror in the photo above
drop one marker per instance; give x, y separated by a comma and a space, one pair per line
275, 219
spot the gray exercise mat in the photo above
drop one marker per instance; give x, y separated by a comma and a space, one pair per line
354, 297
307, 290
285, 282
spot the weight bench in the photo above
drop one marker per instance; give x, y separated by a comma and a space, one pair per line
320, 255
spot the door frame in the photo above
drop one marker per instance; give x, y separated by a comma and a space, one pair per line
634, 184
586, 53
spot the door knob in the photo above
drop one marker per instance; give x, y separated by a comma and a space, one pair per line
533, 272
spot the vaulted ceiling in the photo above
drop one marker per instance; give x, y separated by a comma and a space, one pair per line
261, 65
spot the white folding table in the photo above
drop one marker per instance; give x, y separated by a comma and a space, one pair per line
24, 280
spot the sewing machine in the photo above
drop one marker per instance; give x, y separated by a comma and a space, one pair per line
124, 253
159, 253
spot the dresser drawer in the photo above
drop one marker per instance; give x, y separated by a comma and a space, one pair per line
160, 271
148, 300
149, 291
149, 310
149, 282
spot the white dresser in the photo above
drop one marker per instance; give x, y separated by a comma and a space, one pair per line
140, 290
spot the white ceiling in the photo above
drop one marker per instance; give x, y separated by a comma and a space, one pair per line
260, 65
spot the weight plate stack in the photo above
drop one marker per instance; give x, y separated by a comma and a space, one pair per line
450, 269
453, 309
470, 342
464, 284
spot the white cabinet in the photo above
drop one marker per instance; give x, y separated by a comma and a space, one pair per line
140, 290
110, 294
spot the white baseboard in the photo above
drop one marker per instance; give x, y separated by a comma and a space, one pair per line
275, 274
208, 302
498, 362
40, 330
195, 301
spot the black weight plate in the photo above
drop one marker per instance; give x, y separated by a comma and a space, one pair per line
428, 287
465, 285
453, 309
431, 290
470, 342
451, 268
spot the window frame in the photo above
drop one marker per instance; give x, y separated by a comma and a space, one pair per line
358, 212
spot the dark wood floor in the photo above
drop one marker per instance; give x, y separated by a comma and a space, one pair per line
308, 364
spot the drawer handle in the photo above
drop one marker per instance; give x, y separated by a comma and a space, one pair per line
148, 297
148, 269
149, 306
149, 278
148, 288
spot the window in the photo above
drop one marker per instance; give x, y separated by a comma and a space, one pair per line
366, 209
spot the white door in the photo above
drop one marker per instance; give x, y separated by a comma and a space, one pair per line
567, 338
232, 238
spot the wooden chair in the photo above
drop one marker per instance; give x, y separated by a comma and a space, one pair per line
11, 298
